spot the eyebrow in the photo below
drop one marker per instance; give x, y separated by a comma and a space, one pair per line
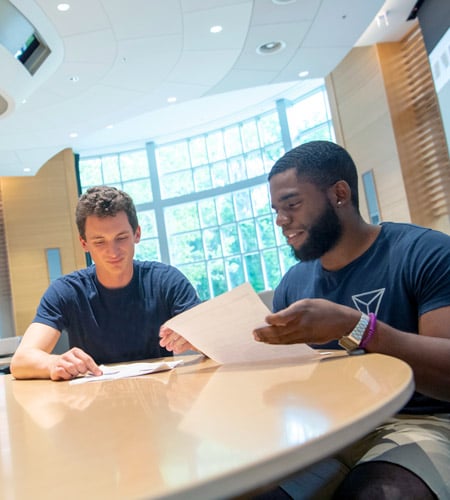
286, 197
102, 237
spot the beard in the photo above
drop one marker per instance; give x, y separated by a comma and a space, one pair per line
323, 235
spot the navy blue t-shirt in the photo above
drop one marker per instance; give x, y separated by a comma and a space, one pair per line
117, 325
404, 274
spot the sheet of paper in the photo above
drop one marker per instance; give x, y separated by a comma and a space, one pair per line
129, 370
222, 328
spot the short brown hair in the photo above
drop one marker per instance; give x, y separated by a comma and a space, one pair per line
104, 201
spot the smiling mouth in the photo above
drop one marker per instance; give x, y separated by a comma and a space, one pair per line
292, 236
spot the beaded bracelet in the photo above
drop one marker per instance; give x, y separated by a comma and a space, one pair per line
369, 332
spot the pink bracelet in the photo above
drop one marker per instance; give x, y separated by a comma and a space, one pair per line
369, 332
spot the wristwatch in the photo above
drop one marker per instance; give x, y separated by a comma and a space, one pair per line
352, 341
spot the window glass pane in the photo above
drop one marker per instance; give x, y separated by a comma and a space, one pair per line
236, 168
254, 163
172, 158
217, 277
265, 231
202, 178
207, 211
371, 197
254, 271
249, 133
134, 165
242, 205
260, 199
197, 275
211, 242
186, 247
230, 240
216, 149
197, 148
177, 184
148, 223
307, 112
287, 258
181, 218
271, 267
111, 170
148, 249
219, 174
271, 155
235, 271
90, 171
281, 240
232, 140
315, 134
140, 191
309, 118
249, 240
269, 129
225, 209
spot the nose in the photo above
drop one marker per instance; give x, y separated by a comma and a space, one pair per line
113, 248
281, 219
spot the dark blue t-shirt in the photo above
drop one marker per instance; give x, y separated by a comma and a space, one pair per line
404, 274
117, 325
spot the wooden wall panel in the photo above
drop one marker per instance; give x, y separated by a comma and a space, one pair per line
39, 214
363, 125
418, 128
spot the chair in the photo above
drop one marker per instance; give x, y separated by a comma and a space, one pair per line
267, 297
8, 346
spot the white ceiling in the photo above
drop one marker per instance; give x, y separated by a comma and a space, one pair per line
130, 56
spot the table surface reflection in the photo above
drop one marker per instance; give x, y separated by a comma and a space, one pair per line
199, 431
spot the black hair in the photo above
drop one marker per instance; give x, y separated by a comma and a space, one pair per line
323, 163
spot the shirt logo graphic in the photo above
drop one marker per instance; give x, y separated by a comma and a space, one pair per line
368, 301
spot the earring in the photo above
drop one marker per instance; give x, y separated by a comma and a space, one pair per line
339, 203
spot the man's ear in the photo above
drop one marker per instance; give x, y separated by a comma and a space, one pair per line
137, 235
340, 194
83, 244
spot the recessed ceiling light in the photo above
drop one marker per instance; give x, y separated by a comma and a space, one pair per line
216, 29
282, 2
270, 47
74, 79
27, 169
171, 100
109, 126
73, 135
63, 7
302, 74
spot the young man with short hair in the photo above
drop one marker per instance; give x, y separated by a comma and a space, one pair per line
384, 288
112, 311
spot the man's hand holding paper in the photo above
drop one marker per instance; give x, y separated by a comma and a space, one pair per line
222, 327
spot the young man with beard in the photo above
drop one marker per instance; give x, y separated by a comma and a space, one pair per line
390, 279
112, 311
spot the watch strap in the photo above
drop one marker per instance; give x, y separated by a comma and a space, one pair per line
353, 340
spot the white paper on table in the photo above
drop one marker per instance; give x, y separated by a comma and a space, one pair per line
221, 328
128, 370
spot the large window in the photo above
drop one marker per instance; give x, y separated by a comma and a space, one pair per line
203, 202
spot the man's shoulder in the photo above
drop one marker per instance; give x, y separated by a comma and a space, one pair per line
299, 270
155, 270
408, 232
151, 265
74, 284
78, 277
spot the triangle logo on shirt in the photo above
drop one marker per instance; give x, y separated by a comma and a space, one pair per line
368, 301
